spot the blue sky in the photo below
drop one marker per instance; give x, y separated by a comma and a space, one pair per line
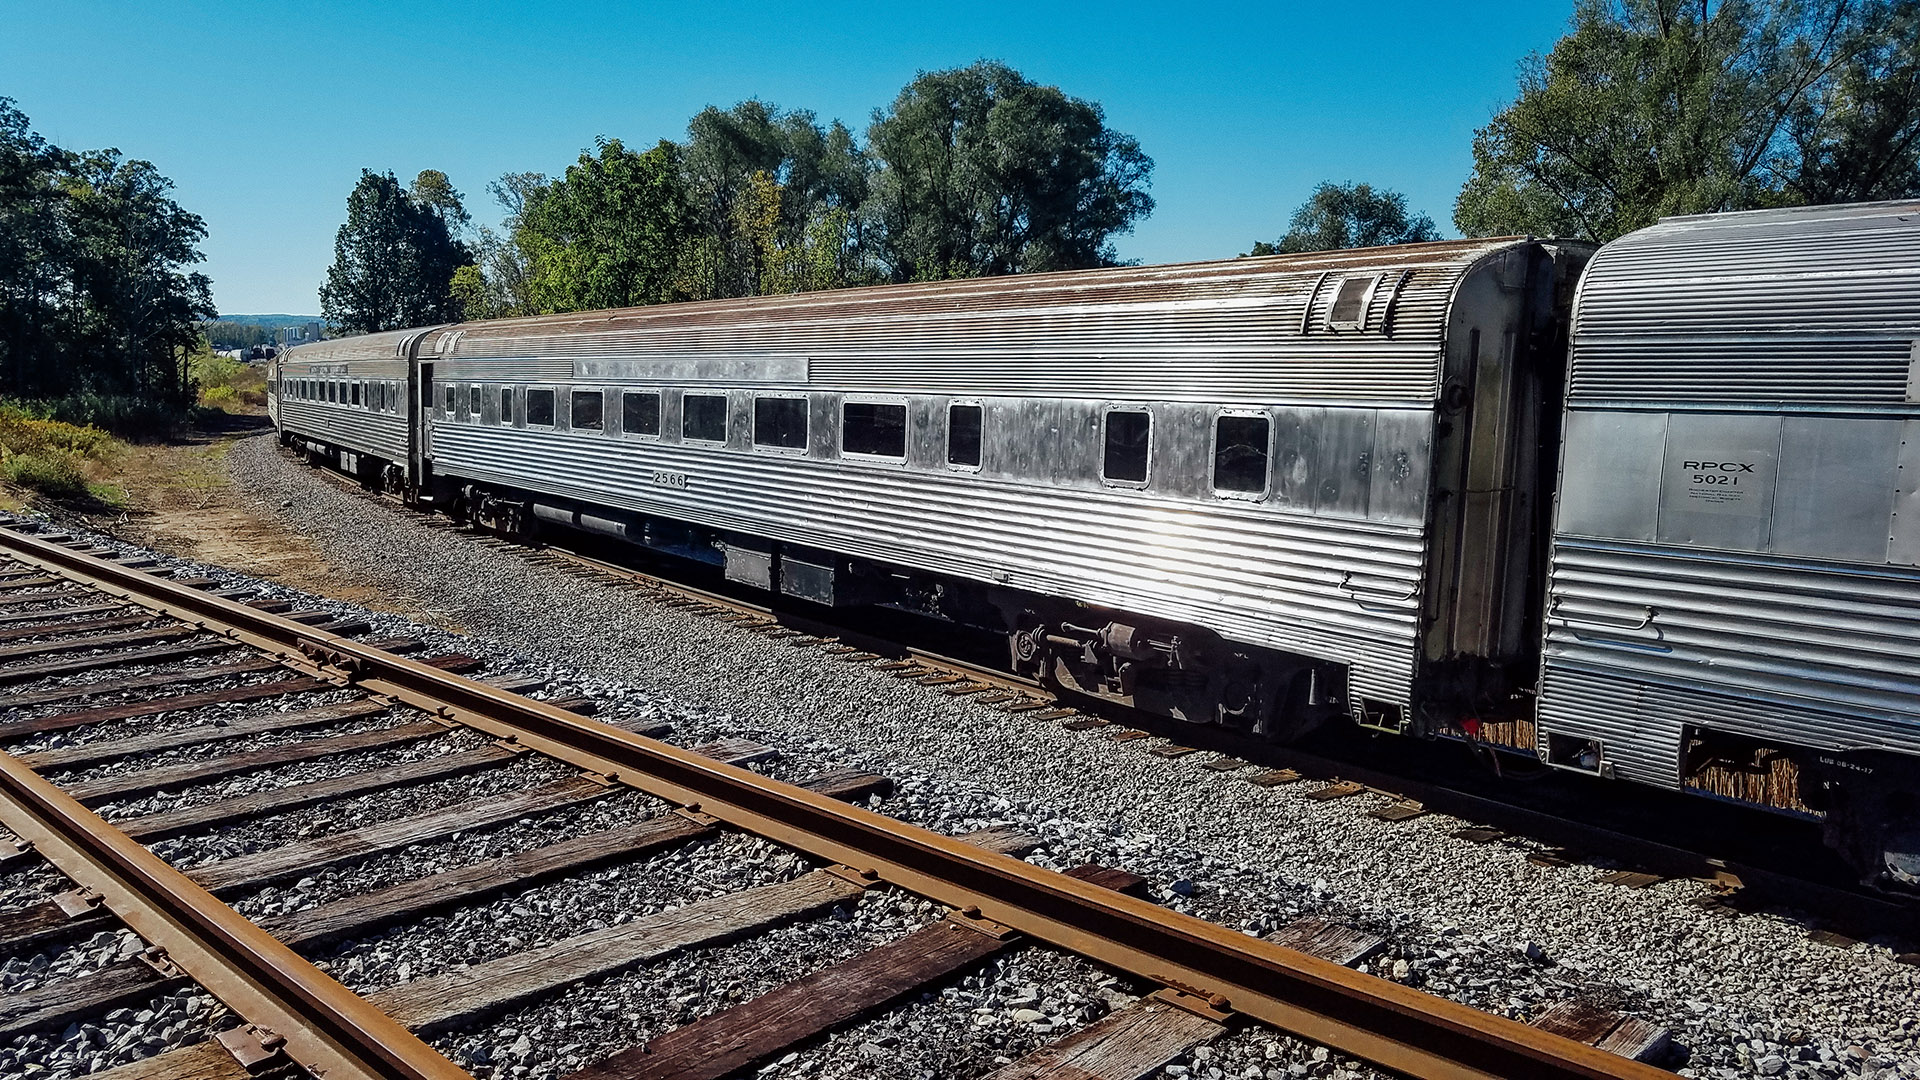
264, 113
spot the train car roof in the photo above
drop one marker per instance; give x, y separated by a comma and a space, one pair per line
1812, 304
1367, 324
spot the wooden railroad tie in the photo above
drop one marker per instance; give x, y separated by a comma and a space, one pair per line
1605, 1029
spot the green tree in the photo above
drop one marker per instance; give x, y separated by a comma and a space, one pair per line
612, 232
232, 335
393, 260
1856, 132
431, 189
137, 311
95, 292
34, 255
818, 176
1654, 107
982, 172
1350, 216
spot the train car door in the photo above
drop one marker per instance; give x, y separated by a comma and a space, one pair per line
419, 418
420, 423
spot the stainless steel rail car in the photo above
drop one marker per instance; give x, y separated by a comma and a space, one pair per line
1255, 492
346, 402
1681, 551
1734, 603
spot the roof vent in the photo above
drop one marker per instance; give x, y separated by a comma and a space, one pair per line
1350, 303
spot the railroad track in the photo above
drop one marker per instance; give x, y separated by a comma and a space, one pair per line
1849, 913
111, 673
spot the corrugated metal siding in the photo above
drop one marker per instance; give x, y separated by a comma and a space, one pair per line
382, 435
1817, 306
1251, 573
1814, 655
1245, 330
1640, 743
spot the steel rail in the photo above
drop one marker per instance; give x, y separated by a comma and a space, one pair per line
319, 1023
1398, 1028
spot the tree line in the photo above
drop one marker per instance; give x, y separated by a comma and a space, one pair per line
1645, 108
1654, 107
969, 172
1648, 108
97, 305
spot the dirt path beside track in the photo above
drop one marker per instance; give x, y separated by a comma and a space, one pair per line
182, 500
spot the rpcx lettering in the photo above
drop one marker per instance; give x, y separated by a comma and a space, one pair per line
1723, 466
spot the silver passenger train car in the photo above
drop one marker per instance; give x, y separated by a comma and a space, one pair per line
1269, 492
1734, 602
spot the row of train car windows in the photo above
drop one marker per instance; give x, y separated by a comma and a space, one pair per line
879, 430
377, 394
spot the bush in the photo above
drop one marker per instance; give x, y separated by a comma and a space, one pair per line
225, 383
53, 472
123, 415
22, 433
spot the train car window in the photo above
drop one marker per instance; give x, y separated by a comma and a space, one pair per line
1129, 438
640, 414
874, 427
1240, 454
703, 417
473, 403
446, 400
780, 422
353, 392
506, 404
963, 435
540, 407
1350, 303
585, 414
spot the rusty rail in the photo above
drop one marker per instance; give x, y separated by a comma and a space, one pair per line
291, 1005
1396, 1027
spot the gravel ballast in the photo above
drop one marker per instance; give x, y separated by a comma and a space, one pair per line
1747, 996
